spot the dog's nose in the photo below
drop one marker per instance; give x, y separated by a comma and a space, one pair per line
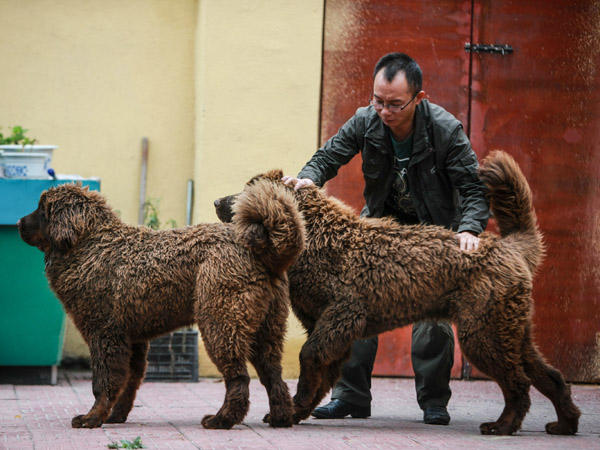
217, 202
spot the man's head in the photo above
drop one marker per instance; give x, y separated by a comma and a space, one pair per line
392, 63
397, 83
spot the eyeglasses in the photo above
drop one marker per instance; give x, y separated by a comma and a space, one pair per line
392, 107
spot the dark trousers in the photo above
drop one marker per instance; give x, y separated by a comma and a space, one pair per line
432, 358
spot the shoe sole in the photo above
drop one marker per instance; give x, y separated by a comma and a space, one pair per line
319, 416
354, 416
437, 422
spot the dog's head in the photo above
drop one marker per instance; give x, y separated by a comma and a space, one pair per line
64, 214
224, 206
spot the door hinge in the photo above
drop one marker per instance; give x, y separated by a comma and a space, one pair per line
502, 49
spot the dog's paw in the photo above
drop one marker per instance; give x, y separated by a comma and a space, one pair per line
495, 428
299, 417
83, 421
279, 421
216, 422
116, 418
558, 428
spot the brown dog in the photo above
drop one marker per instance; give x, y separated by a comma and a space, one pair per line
123, 285
360, 277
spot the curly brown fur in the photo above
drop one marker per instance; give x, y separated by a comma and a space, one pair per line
123, 285
359, 277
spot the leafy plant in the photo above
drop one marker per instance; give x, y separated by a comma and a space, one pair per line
137, 443
17, 137
151, 219
151, 210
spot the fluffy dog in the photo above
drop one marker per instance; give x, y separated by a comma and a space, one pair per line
123, 285
359, 277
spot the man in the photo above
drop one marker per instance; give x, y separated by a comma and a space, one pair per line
418, 167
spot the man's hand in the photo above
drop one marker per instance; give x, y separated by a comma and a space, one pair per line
468, 242
298, 183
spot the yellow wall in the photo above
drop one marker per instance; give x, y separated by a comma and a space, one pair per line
94, 78
223, 89
258, 70
257, 89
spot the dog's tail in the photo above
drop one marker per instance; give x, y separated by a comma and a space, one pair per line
267, 220
512, 206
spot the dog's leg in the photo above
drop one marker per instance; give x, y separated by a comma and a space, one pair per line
110, 356
515, 389
265, 355
494, 351
230, 358
332, 371
235, 406
551, 383
331, 374
339, 326
137, 368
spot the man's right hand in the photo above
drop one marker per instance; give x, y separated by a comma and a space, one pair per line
298, 183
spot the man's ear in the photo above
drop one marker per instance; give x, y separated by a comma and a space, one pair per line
420, 96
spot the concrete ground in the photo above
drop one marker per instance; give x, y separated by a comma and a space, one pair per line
167, 416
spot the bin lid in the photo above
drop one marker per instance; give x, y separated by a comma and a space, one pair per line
19, 197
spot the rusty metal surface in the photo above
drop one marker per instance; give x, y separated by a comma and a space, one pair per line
357, 34
540, 103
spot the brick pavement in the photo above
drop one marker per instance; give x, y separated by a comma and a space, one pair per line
167, 416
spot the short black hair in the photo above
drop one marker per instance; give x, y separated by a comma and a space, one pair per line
392, 63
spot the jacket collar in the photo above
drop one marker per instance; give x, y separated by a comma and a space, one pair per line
376, 132
379, 134
422, 124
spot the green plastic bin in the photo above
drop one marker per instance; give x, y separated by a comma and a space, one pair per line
32, 320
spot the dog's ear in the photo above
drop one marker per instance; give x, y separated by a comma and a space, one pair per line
64, 224
274, 175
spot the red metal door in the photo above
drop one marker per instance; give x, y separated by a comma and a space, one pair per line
357, 33
540, 103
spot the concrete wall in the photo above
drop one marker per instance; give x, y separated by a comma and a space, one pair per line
257, 86
258, 70
223, 89
94, 78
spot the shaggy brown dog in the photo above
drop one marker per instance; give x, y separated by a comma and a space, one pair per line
123, 285
360, 277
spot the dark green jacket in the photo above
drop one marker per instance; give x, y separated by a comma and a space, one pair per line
442, 172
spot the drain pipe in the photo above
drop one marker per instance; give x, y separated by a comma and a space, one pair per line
190, 202
143, 180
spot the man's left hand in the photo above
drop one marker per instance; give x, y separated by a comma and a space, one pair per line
468, 242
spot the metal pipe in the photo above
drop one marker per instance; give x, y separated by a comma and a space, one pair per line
143, 180
189, 203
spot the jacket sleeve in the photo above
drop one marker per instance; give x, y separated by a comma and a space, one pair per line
336, 152
461, 166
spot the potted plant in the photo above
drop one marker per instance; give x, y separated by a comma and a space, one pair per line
20, 157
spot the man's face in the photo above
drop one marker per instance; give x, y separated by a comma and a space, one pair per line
395, 94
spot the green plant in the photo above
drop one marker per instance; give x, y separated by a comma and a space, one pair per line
137, 443
151, 219
151, 210
17, 137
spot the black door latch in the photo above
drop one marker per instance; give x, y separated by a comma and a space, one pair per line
501, 49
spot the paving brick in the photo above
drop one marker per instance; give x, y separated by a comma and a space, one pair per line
167, 416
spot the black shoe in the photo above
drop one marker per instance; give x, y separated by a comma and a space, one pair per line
436, 415
338, 409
